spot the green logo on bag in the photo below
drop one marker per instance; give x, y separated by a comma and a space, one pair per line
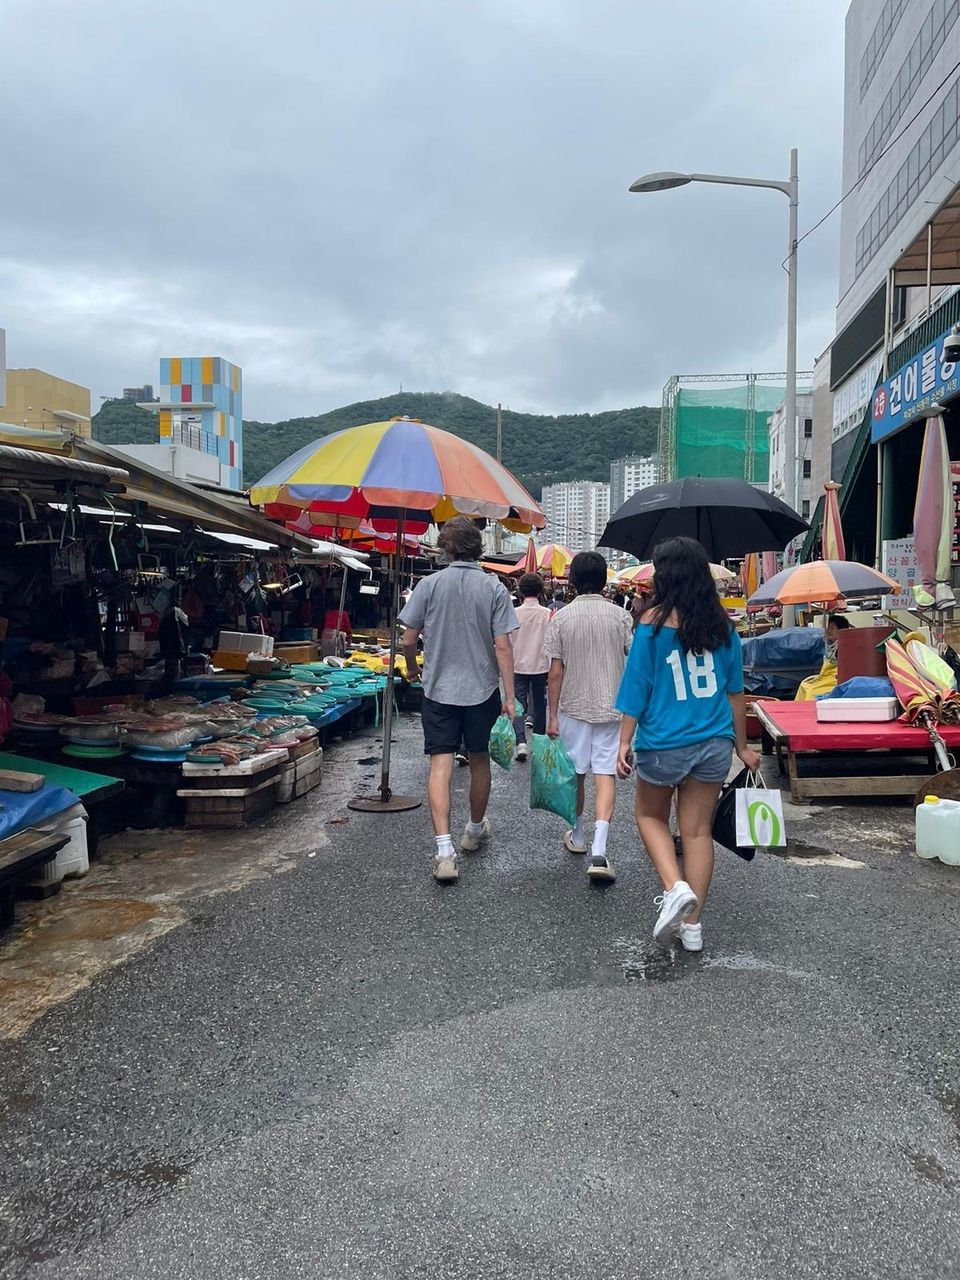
765, 831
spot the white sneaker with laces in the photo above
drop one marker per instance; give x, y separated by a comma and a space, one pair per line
445, 869
675, 905
522, 751
691, 937
471, 843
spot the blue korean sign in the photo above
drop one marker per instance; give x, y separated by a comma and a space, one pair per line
908, 395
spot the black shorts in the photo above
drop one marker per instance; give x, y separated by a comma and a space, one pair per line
445, 727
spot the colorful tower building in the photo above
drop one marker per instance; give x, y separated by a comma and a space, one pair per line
201, 406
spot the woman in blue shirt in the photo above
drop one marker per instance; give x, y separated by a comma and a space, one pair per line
683, 714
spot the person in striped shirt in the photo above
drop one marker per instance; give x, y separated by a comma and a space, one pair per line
587, 644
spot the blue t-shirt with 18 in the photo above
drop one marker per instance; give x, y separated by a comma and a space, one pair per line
678, 698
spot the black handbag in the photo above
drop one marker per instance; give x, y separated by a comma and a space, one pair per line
725, 818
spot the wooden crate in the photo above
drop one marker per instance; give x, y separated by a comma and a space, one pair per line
300, 777
213, 810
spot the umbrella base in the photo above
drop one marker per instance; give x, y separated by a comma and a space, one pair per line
945, 786
377, 804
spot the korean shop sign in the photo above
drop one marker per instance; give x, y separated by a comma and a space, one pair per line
908, 395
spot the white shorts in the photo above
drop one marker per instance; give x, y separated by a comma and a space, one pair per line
593, 748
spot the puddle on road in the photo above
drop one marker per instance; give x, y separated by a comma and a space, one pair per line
647, 961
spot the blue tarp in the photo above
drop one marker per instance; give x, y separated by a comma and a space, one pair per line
18, 810
862, 687
777, 662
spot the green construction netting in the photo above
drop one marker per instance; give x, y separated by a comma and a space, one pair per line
712, 429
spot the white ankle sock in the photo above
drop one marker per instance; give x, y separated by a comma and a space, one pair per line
444, 846
578, 831
600, 832
475, 828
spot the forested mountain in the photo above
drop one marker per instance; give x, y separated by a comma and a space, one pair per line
537, 448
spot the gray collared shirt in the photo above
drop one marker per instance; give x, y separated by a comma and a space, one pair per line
460, 610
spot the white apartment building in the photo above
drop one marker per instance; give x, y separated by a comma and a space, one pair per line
802, 443
577, 512
629, 475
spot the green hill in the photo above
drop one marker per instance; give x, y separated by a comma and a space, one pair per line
121, 422
537, 448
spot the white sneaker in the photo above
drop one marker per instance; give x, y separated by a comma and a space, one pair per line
691, 937
675, 906
570, 845
944, 599
469, 843
445, 869
522, 751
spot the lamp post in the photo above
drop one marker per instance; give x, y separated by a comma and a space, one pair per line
666, 182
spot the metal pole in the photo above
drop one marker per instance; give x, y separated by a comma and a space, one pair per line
790, 405
929, 267
497, 528
385, 792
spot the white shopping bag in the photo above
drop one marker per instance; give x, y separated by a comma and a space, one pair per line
760, 816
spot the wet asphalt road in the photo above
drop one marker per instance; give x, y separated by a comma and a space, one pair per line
347, 1071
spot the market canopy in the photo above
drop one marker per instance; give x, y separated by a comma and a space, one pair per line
50, 457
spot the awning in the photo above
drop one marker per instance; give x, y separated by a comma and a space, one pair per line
162, 493
21, 464
940, 247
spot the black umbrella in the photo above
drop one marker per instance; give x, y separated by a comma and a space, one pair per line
729, 517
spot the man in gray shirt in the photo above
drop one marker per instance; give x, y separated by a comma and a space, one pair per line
466, 618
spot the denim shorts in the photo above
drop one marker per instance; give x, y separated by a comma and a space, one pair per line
706, 761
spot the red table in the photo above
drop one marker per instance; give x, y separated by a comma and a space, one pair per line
793, 731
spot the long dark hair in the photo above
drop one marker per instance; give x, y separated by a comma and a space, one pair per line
683, 583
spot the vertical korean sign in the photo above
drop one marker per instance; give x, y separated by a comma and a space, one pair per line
910, 392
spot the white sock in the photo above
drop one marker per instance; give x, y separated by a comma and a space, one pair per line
600, 832
579, 835
475, 828
444, 846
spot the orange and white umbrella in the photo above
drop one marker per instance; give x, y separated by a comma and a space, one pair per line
821, 581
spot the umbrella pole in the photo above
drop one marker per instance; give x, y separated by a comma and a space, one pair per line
343, 598
386, 801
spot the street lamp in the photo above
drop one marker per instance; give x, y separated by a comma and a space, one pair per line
666, 182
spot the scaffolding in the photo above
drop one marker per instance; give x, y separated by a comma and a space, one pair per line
715, 424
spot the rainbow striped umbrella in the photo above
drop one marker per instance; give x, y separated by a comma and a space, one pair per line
554, 560
384, 468
834, 547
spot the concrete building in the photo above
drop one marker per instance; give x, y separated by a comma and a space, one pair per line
201, 408
136, 394
899, 262
577, 512
801, 440
33, 398
629, 475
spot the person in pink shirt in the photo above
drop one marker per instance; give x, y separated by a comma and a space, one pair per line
530, 664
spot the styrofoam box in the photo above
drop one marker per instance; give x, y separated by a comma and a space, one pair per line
245, 642
857, 710
72, 860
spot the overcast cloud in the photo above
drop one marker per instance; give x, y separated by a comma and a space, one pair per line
346, 195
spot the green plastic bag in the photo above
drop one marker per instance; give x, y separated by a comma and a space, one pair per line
553, 779
503, 742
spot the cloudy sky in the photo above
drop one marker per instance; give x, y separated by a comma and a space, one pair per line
344, 196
